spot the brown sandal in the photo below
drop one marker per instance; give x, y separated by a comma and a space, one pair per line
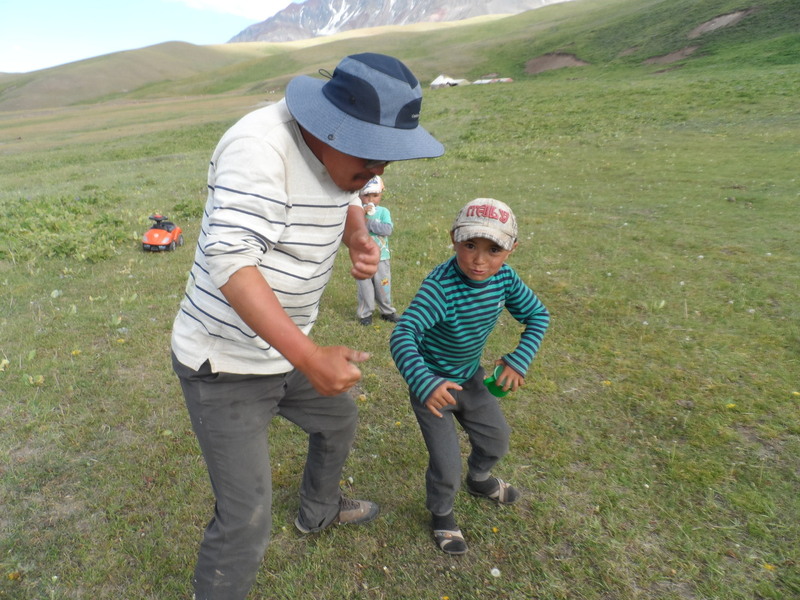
504, 493
450, 541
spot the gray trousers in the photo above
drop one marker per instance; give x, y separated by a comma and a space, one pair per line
376, 290
479, 414
230, 415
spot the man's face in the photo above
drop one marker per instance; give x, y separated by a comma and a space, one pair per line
348, 172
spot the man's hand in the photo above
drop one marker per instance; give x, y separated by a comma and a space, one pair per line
331, 369
364, 254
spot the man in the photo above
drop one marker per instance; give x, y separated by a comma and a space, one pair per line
282, 196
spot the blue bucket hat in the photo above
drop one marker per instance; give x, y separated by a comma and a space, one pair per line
369, 108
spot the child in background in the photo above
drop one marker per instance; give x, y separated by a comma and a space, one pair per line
437, 345
376, 290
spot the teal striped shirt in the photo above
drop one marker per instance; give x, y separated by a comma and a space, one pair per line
442, 334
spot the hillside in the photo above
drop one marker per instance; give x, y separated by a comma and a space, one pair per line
600, 33
315, 18
115, 75
166, 69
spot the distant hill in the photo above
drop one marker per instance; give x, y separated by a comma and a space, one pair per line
314, 18
654, 35
110, 75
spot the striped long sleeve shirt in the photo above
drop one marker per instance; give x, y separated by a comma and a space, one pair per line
442, 334
271, 204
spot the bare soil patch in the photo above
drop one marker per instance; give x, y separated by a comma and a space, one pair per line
710, 25
718, 22
554, 60
672, 56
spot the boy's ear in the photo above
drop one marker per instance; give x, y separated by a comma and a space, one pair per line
514, 247
452, 238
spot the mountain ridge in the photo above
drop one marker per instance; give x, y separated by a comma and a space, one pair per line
320, 18
607, 34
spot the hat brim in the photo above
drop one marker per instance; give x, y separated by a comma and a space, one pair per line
306, 102
468, 232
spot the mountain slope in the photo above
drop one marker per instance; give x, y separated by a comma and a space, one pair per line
110, 75
606, 34
315, 18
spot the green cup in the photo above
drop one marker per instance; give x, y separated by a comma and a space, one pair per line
491, 383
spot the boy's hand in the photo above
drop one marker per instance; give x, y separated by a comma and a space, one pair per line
509, 379
441, 397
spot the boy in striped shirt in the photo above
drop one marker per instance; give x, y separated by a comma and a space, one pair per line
438, 345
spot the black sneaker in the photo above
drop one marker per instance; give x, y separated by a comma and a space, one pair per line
391, 317
351, 512
366, 320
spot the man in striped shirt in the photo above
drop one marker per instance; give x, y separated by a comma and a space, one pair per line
438, 345
282, 197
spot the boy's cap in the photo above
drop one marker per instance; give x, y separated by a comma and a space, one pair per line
486, 218
369, 108
373, 186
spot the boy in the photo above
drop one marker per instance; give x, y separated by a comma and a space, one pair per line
437, 346
378, 288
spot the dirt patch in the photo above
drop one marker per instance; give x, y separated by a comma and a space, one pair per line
672, 56
554, 60
718, 22
711, 25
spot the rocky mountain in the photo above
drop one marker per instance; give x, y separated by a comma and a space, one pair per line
315, 18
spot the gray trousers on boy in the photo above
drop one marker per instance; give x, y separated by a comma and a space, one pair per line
372, 291
479, 414
230, 415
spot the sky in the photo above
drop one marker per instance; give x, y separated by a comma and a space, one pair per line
37, 34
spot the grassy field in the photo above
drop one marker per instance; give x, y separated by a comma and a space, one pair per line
656, 440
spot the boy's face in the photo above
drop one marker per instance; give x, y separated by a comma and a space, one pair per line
480, 258
375, 198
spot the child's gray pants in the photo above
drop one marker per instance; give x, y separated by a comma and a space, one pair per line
479, 414
376, 290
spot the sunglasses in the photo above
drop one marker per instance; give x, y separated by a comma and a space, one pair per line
374, 164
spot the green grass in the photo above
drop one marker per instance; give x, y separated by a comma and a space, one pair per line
656, 440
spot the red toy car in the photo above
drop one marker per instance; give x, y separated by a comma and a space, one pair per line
162, 235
